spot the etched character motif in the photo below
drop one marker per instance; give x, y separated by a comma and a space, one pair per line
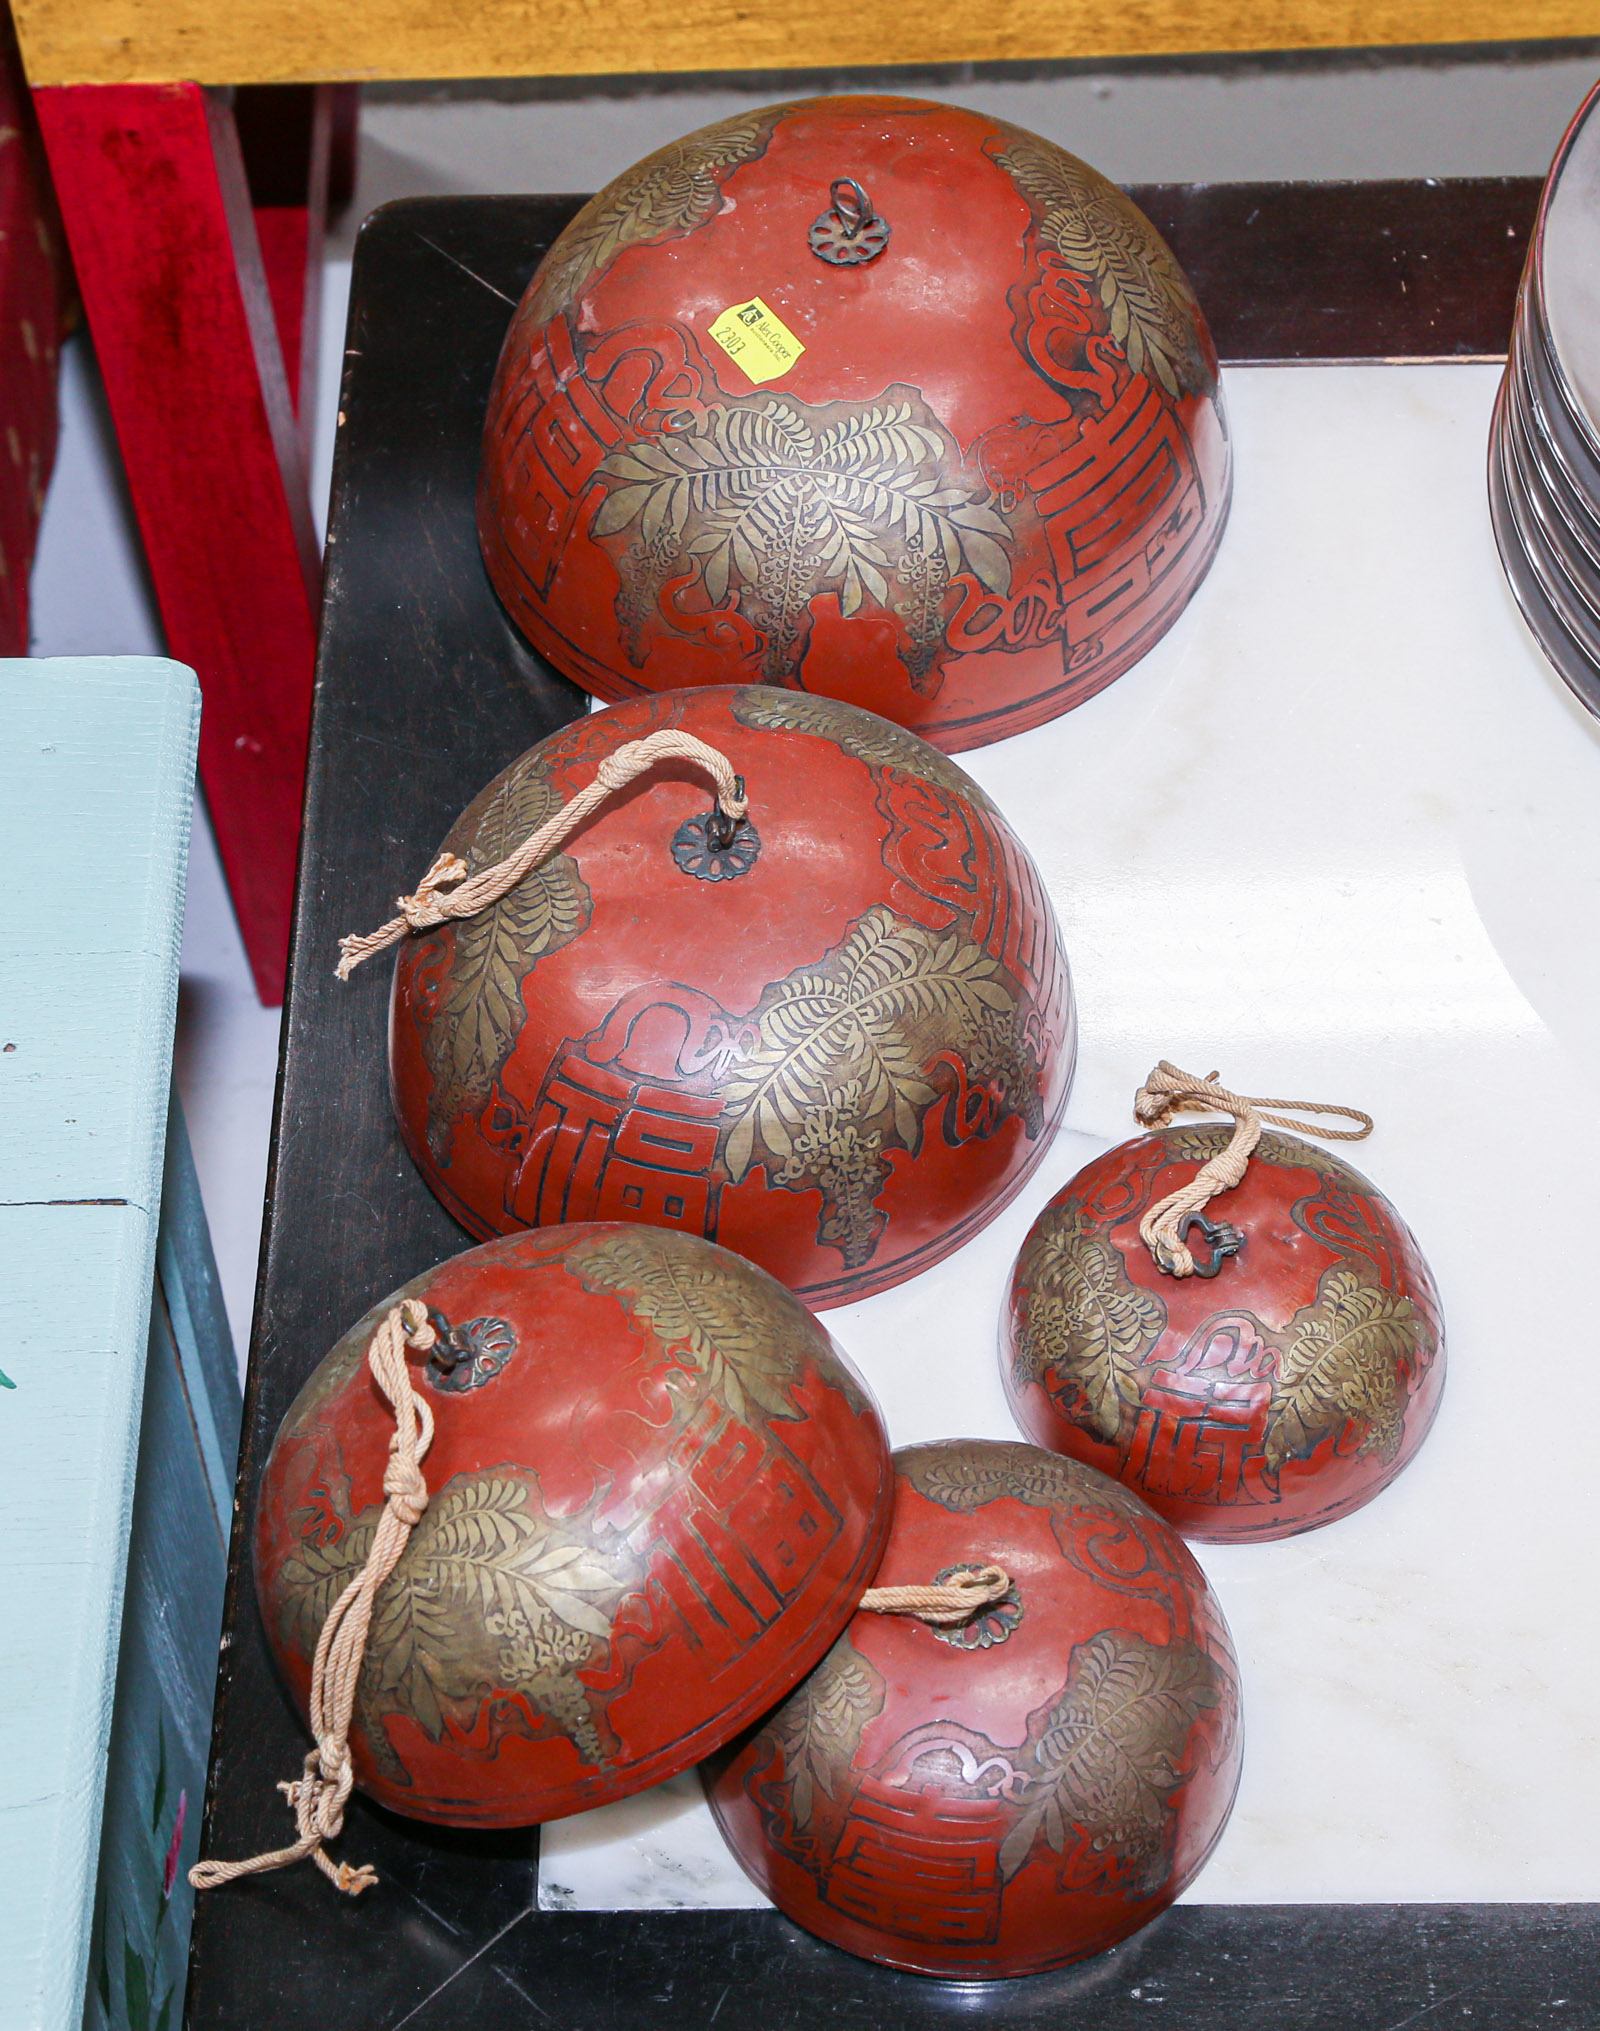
470, 1009
493, 1607
731, 1561
917, 1854
757, 1534
626, 1123
1202, 1417
1117, 502
770, 502
669, 193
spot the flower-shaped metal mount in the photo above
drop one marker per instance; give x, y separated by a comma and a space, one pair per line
988, 1626
716, 848
849, 231
466, 1357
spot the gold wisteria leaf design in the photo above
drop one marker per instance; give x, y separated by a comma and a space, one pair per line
1293, 1153
770, 502
877, 742
1096, 230
1112, 1751
1197, 1143
966, 1478
819, 1726
480, 1012
1346, 1356
1204, 1140
844, 1066
316, 1575
490, 1595
1088, 1328
671, 192
747, 1341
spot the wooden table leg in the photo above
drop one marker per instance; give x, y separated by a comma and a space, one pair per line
157, 211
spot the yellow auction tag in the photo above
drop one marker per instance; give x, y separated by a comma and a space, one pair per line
757, 340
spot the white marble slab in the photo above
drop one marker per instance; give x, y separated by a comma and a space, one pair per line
1338, 836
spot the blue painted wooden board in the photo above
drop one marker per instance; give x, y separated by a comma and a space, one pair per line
96, 783
171, 1622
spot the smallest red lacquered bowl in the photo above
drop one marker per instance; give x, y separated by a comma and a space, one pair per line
1027, 1789
1282, 1387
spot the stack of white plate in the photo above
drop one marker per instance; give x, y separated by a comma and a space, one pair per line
1544, 446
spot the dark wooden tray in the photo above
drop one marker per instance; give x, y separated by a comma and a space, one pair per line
423, 692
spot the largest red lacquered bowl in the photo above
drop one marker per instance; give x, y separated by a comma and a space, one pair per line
1018, 1792
964, 481
839, 1049
657, 1490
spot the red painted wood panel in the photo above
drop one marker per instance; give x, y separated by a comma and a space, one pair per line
157, 212
32, 287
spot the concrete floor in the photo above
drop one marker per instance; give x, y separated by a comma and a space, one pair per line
1451, 118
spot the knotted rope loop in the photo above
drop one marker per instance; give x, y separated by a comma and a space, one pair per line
319, 1795
446, 891
1168, 1092
946, 1606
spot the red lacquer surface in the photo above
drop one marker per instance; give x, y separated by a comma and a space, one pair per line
987, 484
1025, 1796
656, 1493
1281, 1393
840, 1062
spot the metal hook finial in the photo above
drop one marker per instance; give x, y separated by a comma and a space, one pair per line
849, 232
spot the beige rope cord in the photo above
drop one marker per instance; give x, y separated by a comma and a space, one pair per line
446, 891
1167, 1092
318, 1796
957, 1601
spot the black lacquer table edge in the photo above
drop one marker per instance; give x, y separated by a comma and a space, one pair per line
423, 691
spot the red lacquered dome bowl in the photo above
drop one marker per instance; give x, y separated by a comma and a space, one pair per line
840, 1059
1280, 1393
966, 484
657, 1491
1019, 1793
